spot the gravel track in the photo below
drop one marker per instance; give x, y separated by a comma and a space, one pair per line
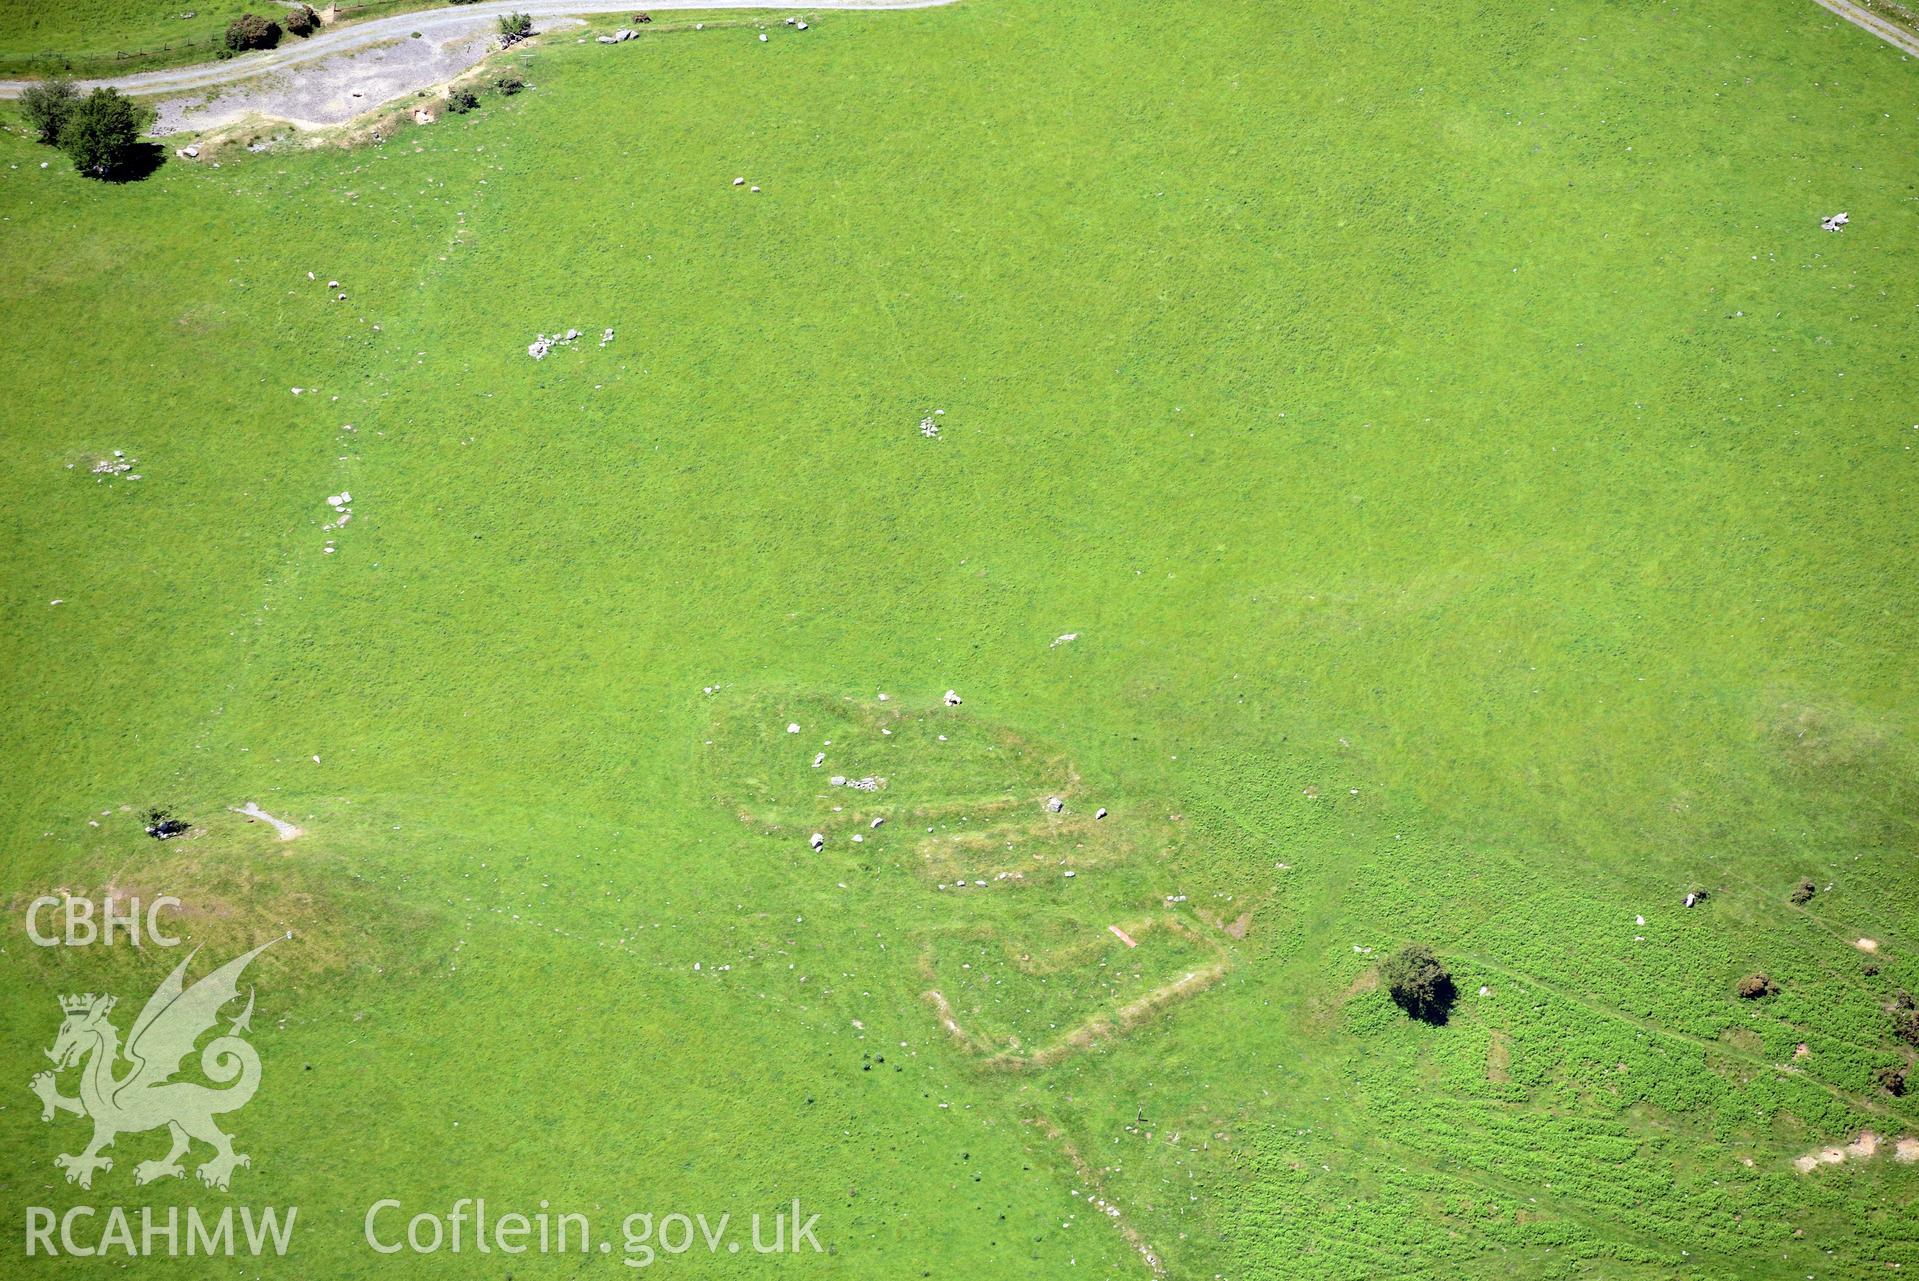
1898, 37
346, 71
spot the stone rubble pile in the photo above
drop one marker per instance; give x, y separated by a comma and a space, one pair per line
544, 343
118, 465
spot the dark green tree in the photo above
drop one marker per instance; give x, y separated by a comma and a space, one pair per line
103, 134
515, 27
1419, 983
251, 31
302, 20
47, 106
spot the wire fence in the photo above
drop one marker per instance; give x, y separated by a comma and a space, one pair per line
51, 62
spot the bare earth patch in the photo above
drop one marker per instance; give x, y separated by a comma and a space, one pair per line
1863, 1148
1499, 1059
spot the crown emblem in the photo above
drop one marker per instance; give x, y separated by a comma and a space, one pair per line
85, 1002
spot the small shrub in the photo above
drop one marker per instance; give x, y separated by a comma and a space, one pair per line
1870, 969
1893, 1080
48, 106
251, 31
302, 20
508, 85
1905, 1026
1802, 893
103, 134
515, 27
461, 101
1754, 986
162, 826
1419, 983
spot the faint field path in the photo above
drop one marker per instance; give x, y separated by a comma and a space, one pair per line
252, 809
1896, 36
343, 71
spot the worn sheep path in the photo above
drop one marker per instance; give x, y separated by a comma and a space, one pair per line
436, 27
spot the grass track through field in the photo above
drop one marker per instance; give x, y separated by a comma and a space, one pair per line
1720, 1048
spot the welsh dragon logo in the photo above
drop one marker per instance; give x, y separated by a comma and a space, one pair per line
145, 1096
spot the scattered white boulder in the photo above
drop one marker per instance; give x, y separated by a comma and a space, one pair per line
793, 727
1054, 805
817, 841
1836, 222
876, 822
1064, 638
952, 699
819, 760
1100, 813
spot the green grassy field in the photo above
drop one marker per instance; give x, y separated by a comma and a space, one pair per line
37, 37
1481, 494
